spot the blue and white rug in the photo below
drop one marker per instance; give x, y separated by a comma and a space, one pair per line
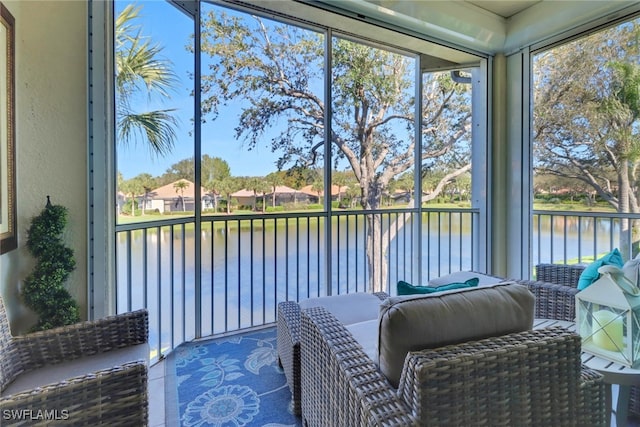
232, 381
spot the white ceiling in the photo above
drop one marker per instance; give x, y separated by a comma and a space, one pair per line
505, 9
486, 26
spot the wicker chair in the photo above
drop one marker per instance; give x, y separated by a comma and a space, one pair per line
87, 374
555, 288
288, 342
525, 378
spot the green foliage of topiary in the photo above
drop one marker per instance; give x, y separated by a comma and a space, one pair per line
44, 290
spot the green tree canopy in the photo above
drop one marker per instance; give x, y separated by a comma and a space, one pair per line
586, 114
226, 187
276, 73
279, 70
139, 185
211, 169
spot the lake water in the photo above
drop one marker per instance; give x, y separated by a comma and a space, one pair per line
246, 267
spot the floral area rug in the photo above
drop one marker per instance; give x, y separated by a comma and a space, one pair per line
232, 381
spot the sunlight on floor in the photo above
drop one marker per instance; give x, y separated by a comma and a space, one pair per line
156, 395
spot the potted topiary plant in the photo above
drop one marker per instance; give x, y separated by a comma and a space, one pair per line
44, 291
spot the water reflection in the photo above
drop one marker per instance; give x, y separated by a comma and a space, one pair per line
572, 238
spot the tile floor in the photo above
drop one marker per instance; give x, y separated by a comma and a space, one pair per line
157, 395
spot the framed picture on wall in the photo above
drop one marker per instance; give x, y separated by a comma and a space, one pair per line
8, 232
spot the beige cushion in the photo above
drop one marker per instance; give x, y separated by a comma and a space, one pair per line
463, 276
53, 374
347, 308
417, 322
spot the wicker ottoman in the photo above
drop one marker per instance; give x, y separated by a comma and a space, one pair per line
348, 308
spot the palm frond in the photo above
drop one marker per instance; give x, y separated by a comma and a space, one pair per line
155, 127
140, 68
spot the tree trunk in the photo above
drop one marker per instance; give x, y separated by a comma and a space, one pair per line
377, 239
623, 207
635, 238
629, 228
375, 243
376, 254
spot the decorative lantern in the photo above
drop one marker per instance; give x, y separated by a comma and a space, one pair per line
608, 317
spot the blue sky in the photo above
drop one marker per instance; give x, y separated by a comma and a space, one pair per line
172, 29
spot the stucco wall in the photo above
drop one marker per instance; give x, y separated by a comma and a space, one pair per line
51, 136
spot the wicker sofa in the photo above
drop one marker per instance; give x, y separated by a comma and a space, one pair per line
555, 288
87, 374
527, 377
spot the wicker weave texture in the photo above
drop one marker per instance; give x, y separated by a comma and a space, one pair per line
10, 360
288, 344
553, 301
114, 397
560, 274
341, 386
527, 378
555, 289
591, 390
83, 339
117, 396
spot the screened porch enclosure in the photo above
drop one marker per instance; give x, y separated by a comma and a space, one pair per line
291, 173
253, 206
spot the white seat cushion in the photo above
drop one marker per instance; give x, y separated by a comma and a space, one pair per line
347, 308
463, 276
53, 374
366, 333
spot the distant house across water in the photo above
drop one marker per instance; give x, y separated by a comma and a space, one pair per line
279, 197
177, 196
313, 196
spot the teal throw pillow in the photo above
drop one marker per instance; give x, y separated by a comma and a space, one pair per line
590, 274
404, 288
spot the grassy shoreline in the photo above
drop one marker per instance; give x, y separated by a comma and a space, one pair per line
570, 207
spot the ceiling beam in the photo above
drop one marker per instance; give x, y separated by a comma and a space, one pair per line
471, 27
547, 19
460, 23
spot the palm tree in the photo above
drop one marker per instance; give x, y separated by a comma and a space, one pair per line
147, 183
132, 187
340, 180
258, 186
353, 193
180, 186
227, 186
318, 187
274, 179
140, 68
211, 186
